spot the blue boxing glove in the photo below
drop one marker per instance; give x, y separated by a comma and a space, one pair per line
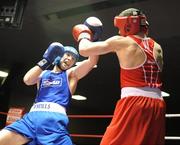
96, 27
54, 50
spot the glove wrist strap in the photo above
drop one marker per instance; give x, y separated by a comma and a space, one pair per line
84, 36
43, 64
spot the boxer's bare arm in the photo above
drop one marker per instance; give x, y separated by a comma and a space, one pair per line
32, 76
88, 48
78, 72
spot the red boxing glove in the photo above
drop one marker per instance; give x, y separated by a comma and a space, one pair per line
81, 31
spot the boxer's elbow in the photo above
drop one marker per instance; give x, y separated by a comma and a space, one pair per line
94, 60
28, 81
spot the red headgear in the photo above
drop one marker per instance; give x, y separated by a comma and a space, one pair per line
129, 25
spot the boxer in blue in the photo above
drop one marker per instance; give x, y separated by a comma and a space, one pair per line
46, 122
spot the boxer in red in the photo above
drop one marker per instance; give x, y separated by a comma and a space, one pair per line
139, 116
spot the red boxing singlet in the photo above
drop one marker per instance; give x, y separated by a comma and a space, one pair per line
141, 109
147, 74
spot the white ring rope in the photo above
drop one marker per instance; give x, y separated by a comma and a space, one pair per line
172, 115
172, 137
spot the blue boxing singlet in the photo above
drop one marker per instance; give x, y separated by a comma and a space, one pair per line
54, 88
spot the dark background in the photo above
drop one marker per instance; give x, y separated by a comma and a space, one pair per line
44, 21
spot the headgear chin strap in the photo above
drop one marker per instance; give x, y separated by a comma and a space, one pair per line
131, 24
57, 60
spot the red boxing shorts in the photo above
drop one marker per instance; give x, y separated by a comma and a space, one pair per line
137, 120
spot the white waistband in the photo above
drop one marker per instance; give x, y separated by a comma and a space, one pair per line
48, 106
141, 91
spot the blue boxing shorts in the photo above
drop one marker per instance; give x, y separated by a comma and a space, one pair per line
42, 126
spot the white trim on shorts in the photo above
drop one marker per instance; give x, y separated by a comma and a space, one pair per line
48, 106
141, 91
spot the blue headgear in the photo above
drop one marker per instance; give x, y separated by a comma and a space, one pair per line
72, 51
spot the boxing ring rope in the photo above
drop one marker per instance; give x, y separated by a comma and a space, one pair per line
3, 113
172, 115
86, 135
108, 116
100, 116
90, 116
